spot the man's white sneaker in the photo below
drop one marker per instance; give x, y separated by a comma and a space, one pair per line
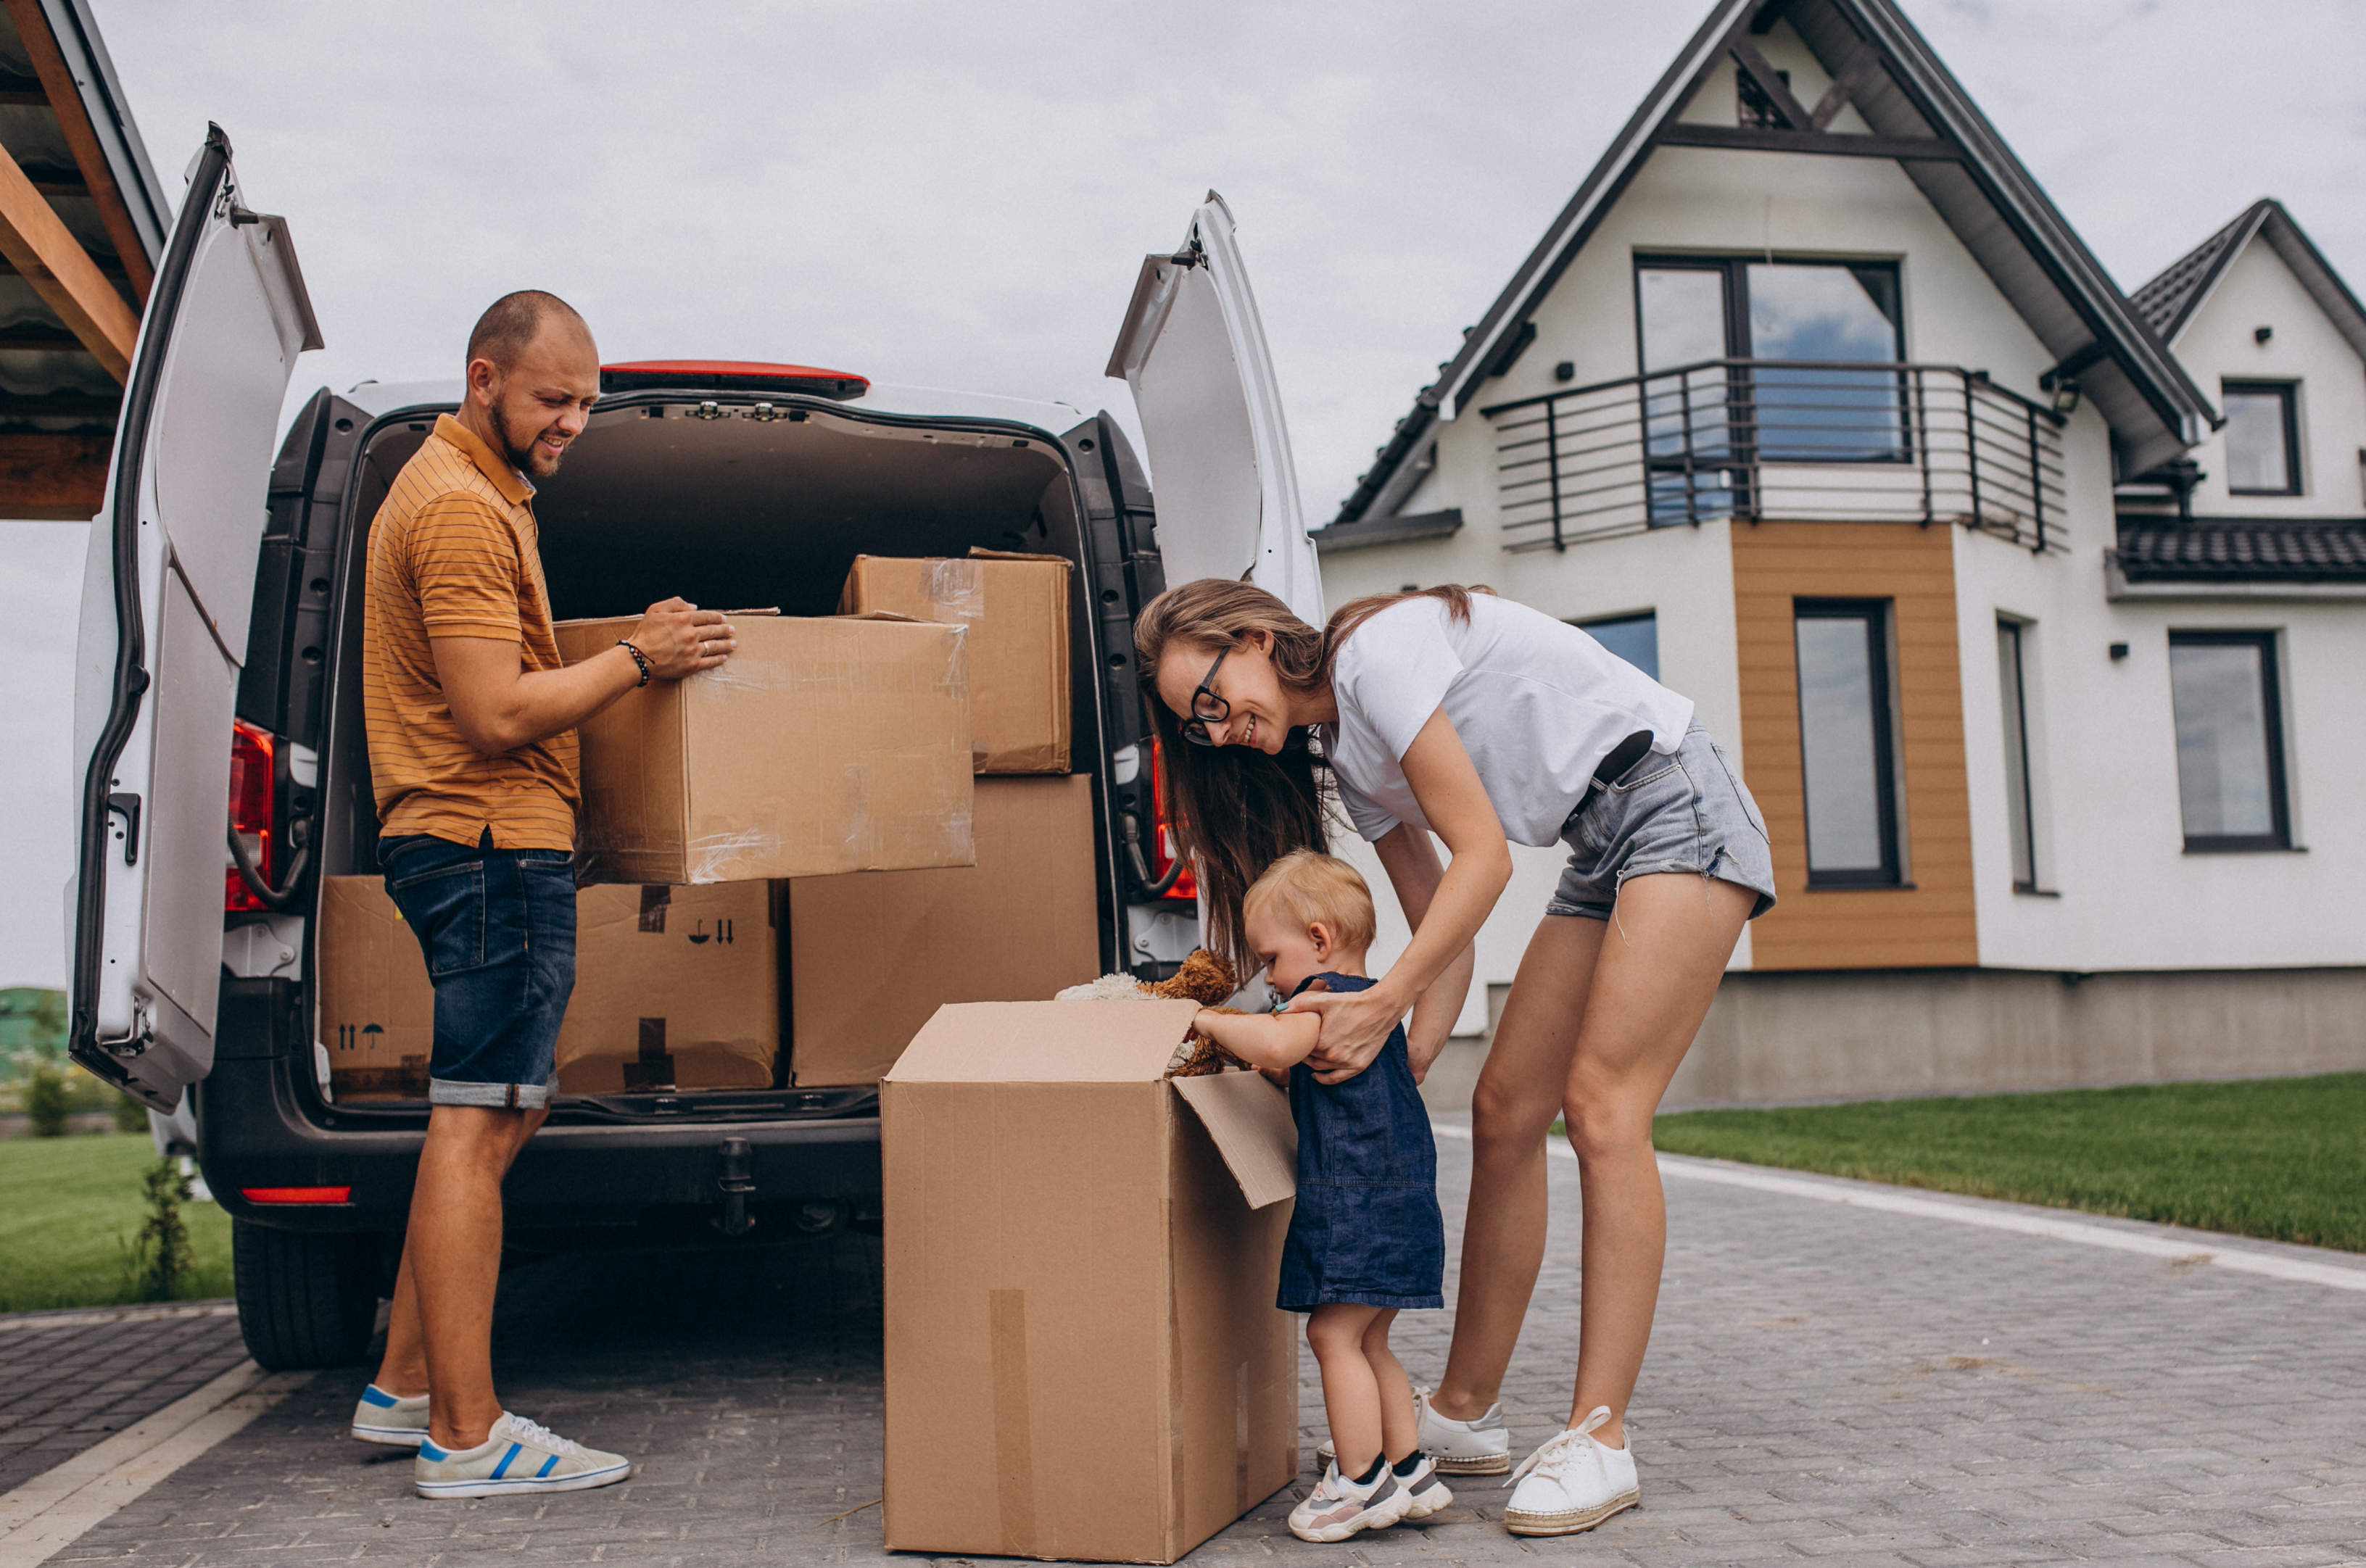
383, 1418
1480, 1447
1428, 1494
1573, 1482
1340, 1507
519, 1457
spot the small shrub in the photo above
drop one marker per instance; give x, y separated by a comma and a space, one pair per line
47, 1101
158, 1259
131, 1115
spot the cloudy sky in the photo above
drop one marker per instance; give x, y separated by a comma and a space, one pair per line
959, 195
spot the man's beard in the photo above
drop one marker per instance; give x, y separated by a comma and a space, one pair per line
521, 458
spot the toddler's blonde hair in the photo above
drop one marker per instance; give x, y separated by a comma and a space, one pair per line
1305, 887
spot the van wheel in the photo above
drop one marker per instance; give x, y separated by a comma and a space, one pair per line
305, 1300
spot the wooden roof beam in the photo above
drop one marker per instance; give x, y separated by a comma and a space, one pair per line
39, 246
65, 99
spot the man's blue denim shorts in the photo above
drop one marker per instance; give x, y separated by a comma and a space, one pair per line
498, 929
1687, 812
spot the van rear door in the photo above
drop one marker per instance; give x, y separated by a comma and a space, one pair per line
166, 601
1193, 351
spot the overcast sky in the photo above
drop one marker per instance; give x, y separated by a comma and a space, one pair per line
959, 195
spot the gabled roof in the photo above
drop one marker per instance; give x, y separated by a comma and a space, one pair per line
2170, 301
1919, 113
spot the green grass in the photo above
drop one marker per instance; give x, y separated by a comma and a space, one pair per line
2283, 1159
69, 1207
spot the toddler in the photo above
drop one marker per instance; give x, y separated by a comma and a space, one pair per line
1366, 1239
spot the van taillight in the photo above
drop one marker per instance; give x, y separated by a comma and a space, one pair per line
250, 813
1161, 833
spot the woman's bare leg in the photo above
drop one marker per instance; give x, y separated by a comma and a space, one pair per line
1652, 983
1520, 1090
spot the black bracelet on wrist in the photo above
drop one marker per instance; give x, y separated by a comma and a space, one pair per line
639, 658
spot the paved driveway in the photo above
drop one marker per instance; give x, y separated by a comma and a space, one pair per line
1829, 1381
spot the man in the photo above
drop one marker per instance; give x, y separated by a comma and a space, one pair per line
471, 719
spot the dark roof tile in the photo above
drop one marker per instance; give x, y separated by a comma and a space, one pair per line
2243, 549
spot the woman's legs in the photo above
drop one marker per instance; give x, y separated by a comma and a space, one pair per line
1351, 1394
1652, 983
1520, 1090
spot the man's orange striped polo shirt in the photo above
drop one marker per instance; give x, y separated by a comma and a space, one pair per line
454, 553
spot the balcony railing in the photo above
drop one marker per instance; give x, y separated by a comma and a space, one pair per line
1763, 441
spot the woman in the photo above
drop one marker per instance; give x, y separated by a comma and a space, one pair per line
1455, 712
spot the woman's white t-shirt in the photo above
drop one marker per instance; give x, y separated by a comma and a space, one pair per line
1538, 704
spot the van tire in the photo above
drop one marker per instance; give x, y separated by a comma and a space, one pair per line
305, 1299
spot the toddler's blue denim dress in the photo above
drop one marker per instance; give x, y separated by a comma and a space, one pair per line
1367, 1227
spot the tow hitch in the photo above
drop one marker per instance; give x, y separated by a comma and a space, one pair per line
735, 1182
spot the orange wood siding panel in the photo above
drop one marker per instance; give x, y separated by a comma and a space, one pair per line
1931, 923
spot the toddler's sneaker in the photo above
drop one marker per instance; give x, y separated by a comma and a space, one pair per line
519, 1457
1480, 1447
1573, 1482
383, 1418
1428, 1494
1340, 1507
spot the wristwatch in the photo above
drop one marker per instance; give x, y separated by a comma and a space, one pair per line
639, 658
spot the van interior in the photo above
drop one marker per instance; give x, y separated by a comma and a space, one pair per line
736, 505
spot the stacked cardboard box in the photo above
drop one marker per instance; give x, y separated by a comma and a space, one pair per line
1016, 608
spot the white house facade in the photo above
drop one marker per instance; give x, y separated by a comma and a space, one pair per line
2034, 613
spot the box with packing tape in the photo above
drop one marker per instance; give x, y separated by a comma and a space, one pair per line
1016, 608
824, 745
1083, 1355
676, 989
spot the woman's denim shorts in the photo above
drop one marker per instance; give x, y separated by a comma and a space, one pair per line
1687, 812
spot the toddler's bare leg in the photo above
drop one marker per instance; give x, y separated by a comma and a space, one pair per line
1397, 1436
1351, 1394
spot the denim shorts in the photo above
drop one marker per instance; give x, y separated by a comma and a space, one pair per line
497, 930
1686, 812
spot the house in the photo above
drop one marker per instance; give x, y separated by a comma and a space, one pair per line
2034, 614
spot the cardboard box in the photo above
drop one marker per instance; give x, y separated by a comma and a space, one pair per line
378, 1009
1016, 608
675, 988
824, 745
873, 955
1083, 1356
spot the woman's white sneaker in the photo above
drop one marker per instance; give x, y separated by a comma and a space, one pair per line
1573, 1482
1480, 1447
1340, 1507
383, 1418
519, 1457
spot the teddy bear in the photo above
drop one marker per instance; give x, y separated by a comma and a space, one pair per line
1204, 979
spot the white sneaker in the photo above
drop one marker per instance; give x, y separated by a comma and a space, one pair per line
519, 1457
383, 1418
1480, 1447
1573, 1482
1340, 1507
1427, 1491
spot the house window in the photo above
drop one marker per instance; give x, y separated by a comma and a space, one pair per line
1821, 318
2262, 438
2011, 677
2230, 763
1847, 755
1635, 638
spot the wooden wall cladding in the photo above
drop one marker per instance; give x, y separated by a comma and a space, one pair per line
1930, 922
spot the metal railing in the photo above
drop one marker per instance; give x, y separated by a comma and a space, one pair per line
1763, 441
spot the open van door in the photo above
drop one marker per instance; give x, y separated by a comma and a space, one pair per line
166, 598
1193, 351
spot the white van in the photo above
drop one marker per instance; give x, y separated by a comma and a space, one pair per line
220, 660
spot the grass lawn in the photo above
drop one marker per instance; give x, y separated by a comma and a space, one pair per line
2283, 1159
69, 1207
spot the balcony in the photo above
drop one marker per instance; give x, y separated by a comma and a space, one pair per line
1765, 440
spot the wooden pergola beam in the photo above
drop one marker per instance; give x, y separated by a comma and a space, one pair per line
60, 478
73, 118
44, 250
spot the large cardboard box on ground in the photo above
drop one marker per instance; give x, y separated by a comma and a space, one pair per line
1016, 608
1083, 1356
873, 955
824, 745
378, 1008
675, 988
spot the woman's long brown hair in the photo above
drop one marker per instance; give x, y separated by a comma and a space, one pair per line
1236, 810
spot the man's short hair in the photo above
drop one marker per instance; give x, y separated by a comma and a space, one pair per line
506, 329
1304, 886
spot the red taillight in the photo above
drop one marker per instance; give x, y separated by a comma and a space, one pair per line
297, 1194
250, 813
730, 375
1161, 833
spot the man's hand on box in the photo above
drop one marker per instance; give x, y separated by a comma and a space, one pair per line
679, 639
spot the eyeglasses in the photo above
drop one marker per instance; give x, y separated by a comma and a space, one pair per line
1207, 708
